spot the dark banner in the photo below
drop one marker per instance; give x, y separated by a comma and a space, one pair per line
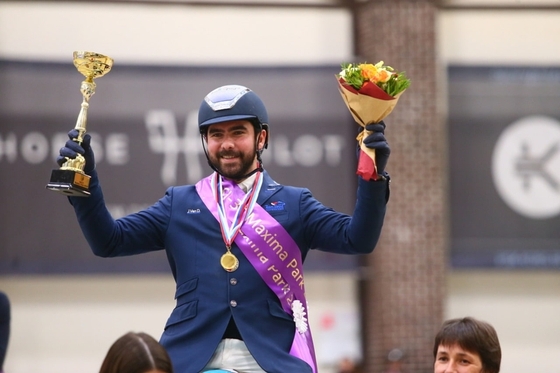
143, 121
504, 128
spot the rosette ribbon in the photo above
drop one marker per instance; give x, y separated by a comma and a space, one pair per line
369, 104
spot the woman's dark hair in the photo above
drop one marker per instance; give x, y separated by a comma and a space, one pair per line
136, 353
474, 336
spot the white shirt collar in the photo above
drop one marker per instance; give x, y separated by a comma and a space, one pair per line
247, 183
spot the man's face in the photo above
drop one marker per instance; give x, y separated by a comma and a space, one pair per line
232, 148
453, 359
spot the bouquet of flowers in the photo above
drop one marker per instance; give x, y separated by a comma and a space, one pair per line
370, 92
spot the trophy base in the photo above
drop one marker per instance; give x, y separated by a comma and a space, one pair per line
70, 183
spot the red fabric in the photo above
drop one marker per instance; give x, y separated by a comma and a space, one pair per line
366, 167
368, 89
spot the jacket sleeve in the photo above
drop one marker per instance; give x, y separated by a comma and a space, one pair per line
133, 234
328, 230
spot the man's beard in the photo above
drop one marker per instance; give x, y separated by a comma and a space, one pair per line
237, 172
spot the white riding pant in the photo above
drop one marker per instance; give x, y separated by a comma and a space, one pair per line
233, 354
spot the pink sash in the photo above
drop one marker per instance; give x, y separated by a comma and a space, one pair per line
275, 256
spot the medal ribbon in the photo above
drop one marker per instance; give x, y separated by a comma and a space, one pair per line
244, 207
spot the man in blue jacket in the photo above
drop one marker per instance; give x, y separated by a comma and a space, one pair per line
236, 242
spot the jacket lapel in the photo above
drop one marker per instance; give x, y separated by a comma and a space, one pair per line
268, 189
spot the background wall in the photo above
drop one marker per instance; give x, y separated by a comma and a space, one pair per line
66, 323
521, 304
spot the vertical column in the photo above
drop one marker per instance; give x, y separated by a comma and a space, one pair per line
403, 286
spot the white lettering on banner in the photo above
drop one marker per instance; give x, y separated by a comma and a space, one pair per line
163, 137
116, 147
333, 145
57, 142
306, 150
527, 258
115, 152
281, 151
8, 147
35, 147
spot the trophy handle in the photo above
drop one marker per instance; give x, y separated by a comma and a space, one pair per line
88, 89
79, 163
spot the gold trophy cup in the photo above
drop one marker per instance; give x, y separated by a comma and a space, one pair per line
70, 178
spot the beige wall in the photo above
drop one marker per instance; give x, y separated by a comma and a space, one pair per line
522, 305
174, 34
506, 37
66, 324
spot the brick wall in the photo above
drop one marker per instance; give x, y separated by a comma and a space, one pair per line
403, 284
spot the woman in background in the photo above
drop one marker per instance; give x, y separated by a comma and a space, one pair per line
467, 345
136, 353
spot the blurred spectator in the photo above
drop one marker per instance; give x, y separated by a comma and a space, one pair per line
4, 327
395, 361
136, 353
347, 365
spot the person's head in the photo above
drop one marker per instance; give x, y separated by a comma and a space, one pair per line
233, 122
136, 353
467, 345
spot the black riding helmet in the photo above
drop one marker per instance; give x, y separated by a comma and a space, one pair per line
233, 102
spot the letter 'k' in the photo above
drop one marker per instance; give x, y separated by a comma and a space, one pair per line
528, 166
163, 138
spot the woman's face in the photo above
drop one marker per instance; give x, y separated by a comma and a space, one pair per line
453, 359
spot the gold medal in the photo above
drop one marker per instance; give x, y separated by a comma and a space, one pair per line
229, 261
233, 217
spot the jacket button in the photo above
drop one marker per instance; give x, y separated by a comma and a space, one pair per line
233, 281
233, 303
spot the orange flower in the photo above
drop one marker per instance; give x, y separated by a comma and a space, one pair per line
374, 73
